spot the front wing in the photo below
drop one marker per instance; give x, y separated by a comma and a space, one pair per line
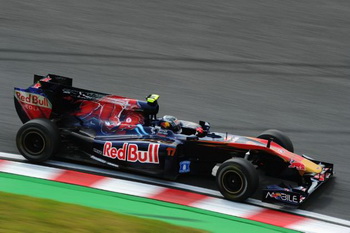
295, 196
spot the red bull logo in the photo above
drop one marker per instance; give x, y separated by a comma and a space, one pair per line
33, 99
275, 195
131, 153
297, 165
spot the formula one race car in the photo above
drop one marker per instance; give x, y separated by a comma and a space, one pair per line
127, 134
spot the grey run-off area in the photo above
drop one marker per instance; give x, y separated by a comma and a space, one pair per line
244, 66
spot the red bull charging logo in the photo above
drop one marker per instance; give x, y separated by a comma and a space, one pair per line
297, 165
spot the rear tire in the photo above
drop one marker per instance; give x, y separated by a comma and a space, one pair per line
38, 140
237, 179
278, 137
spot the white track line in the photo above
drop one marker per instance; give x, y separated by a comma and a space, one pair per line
128, 187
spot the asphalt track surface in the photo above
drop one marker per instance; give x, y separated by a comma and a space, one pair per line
244, 66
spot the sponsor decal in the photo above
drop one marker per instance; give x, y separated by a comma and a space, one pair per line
33, 99
97, 151
185, 166
104, 161
98, 159
282, 197
297, 165
131, 153
31, 108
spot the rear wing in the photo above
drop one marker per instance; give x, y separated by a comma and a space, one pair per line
47, 97
53, 97
33, 102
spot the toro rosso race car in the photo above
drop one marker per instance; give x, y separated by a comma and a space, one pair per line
127, 134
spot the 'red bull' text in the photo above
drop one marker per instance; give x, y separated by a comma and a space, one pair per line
131, 153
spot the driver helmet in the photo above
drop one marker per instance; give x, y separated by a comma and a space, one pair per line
170, 123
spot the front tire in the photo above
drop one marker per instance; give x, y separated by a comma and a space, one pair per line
237, 179
279, 137
38, 140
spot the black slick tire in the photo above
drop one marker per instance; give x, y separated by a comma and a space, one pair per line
237, 179
278, 137
38, 140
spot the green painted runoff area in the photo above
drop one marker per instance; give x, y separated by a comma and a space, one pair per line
43, 215
131, 205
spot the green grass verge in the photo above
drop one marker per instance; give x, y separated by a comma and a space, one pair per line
20, 213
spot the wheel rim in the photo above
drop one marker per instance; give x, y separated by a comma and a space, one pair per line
232, 182
34, 143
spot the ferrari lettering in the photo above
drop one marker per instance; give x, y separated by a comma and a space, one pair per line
33, 99
131, 153
282, 196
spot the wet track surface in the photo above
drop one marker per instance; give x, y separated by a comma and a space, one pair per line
242, 66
